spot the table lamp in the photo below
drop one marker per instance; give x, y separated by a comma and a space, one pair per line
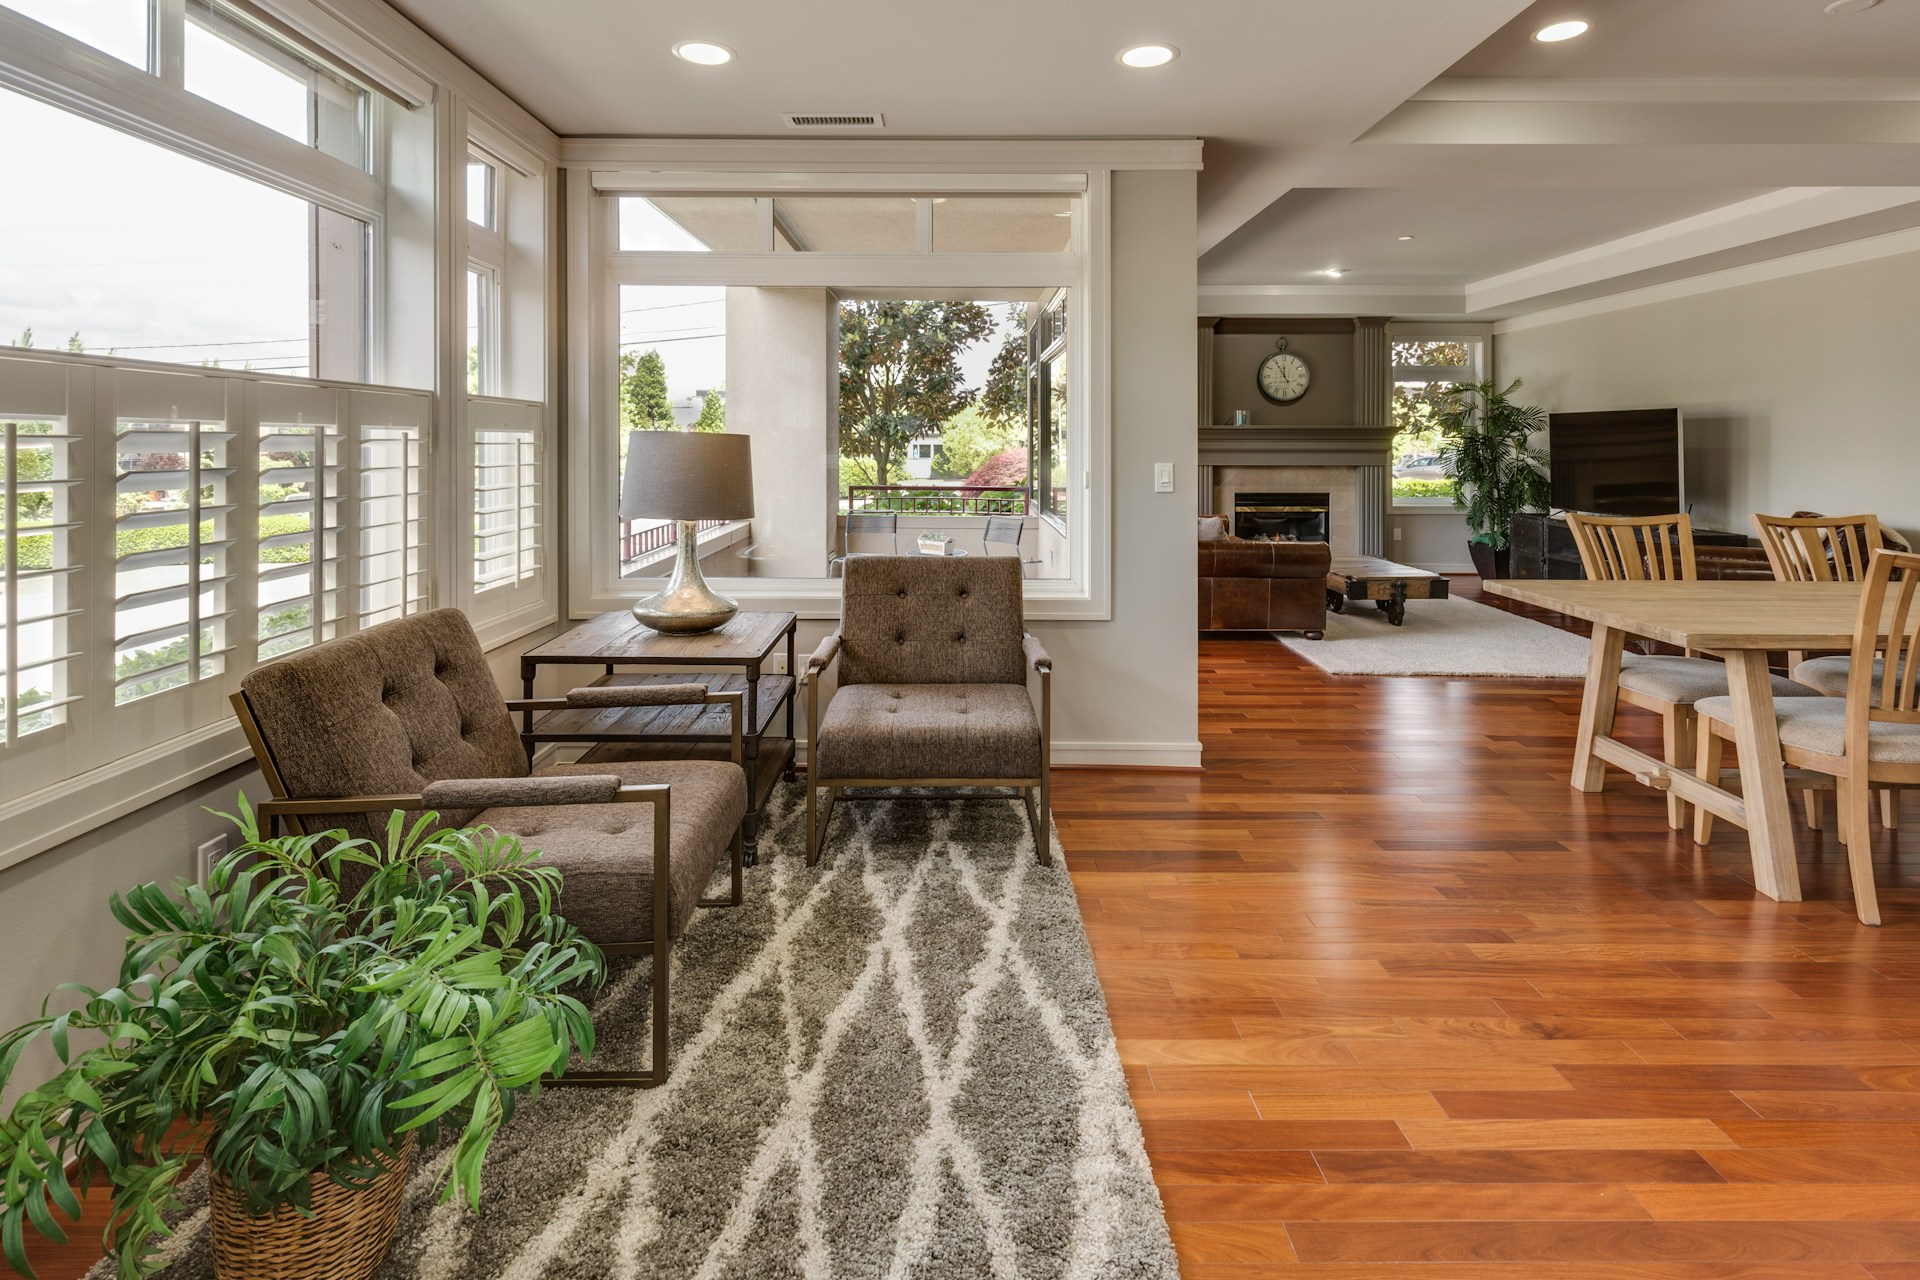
687, 476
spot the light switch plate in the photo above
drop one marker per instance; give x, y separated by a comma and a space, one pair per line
1163, 477
206, 856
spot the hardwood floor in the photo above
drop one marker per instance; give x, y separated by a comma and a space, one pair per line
1395, 1000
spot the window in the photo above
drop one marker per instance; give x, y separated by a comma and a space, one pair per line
482, 184
273, 283
241, 515
1426, 372
232, 63
882, 365
37, 598
486, 270
114, 27
1048, 405
506, 496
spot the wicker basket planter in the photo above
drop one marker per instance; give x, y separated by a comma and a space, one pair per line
346, 1238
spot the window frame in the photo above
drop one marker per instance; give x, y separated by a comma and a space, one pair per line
597, 269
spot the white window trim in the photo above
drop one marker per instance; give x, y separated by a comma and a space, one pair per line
596, 269
1481, 338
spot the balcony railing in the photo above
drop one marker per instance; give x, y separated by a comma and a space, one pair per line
647, 536
913, 499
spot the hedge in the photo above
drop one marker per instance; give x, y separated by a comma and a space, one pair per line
1405, 488
36, 549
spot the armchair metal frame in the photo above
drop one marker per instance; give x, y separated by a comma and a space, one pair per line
1035, 794
280, 806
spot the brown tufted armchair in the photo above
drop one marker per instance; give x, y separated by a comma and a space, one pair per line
932, 688
406, 715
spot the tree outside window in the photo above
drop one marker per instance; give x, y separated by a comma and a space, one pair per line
1426, 374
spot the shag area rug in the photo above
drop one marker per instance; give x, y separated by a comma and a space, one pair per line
898, 1064
1443, 638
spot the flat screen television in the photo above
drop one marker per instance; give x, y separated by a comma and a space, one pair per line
1625, 462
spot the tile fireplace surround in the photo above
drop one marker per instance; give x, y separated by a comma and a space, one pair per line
1349, 464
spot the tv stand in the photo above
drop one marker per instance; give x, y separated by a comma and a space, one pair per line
1543, 548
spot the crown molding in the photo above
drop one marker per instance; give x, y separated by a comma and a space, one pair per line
858, 154
1678, 89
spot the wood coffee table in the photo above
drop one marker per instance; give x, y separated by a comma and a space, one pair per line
1387, 584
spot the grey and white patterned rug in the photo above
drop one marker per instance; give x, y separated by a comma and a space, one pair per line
898, 1065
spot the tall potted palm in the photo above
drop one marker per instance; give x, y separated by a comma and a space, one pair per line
298, 1033
1486, 449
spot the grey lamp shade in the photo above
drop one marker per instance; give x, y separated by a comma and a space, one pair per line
687, 475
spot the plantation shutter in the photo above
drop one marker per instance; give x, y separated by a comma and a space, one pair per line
390, 544
507, 503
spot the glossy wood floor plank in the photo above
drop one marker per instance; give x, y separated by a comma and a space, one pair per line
1494, 1028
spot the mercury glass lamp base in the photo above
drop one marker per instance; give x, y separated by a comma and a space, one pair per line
686, 605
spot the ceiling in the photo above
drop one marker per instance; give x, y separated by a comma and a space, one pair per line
1675, 137
1740, 39
1308, 230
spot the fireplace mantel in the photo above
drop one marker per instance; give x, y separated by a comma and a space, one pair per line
1327, 446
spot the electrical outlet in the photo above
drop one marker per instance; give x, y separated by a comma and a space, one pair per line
776, 665
206, 856
1398, 532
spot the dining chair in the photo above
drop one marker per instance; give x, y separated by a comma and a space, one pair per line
1659, 549
1870, 738
1824, 549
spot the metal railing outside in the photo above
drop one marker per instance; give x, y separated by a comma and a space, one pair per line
914, 499
639, 538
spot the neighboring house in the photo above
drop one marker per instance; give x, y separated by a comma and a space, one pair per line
919, 461
686, 410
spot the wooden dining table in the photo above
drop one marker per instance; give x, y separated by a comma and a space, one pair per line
1741, 622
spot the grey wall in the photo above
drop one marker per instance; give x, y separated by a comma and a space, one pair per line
1236, 370
1798, 391
1433, 538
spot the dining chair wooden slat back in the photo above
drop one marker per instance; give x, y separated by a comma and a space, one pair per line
1895, 696
1818, 548
1635, 548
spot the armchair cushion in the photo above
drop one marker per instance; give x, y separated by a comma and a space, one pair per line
605, 851
928, 731
478, 793
925, 620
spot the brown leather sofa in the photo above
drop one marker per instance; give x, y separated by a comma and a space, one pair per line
1264, 586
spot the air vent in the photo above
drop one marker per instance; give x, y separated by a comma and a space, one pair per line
845, 120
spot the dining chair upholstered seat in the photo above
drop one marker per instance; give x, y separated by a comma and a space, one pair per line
899, 730
1829, 674
1688, 680
1819, 725
401, 706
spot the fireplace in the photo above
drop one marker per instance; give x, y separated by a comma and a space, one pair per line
1280, 517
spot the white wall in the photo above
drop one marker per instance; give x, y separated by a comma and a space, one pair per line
1798, 391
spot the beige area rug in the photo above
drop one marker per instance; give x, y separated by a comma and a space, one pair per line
1443, 638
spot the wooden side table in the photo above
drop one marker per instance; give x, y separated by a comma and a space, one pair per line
734, 657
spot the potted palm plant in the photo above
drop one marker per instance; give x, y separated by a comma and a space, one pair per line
297, 1022
1486, 449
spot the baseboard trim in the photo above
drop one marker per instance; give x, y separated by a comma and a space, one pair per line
1181, 756
1446, 568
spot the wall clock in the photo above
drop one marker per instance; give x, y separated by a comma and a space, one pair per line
1284, 377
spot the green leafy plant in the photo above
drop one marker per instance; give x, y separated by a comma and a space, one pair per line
294, 1025
1485, 449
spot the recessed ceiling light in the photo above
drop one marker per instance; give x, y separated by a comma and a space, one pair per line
1559, 31
1148, 55
1851, 6
1335, 272
702, 52
1406, 237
